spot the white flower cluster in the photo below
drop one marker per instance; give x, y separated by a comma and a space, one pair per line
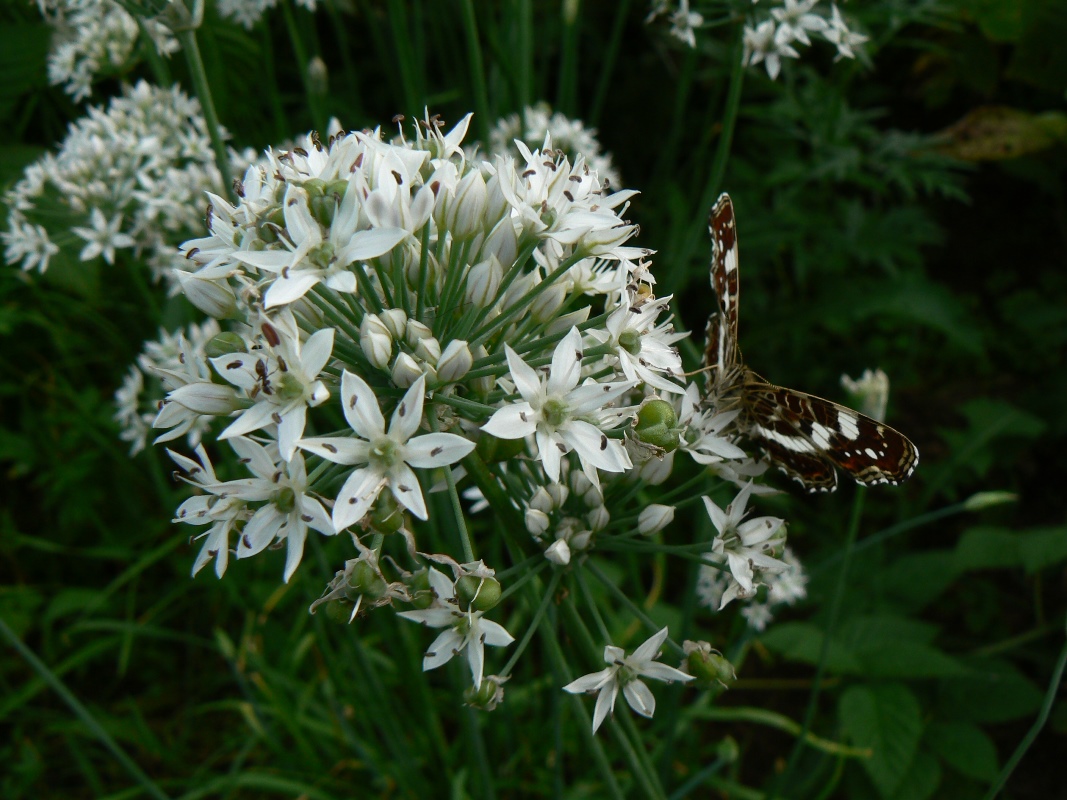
568, 135
391, 308
789, 24
248, 12
785, 587
684, 22
137, 405
128, 177
94, 39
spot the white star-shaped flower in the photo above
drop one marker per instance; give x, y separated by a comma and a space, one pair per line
465, 630
745, 544
553, 407
625, 672
283, 384
387, 457
103, 238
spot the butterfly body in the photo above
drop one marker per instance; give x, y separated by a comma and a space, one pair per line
805, 436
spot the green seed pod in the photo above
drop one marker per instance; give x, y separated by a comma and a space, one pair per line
366, 581
339, 610
478, 594
710, 666
387, 516
487, 696
418, 584
224, 344
656, 421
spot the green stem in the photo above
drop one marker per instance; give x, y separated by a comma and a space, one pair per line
534, 624
607, 64
457, 506
82, 713
477, 68
1031, 735
633, 608
187, 38
824, 652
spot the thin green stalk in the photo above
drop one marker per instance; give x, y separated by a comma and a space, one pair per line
478, 752
644, 774
824, 652
477, 68
524, 30
718, 165
158, 64
607, 63
405, 58
1035, 729
550, 592
567, 88
457, 506
187, 38
559, 667
82, 713
314, 98
771, 719
424, 272
633, 608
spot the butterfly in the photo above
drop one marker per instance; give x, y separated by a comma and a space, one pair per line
806, 437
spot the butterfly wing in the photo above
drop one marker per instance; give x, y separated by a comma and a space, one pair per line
721, 351
807, 437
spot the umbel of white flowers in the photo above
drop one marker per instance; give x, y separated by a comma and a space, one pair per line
395, 315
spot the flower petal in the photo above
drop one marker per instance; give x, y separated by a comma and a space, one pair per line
513, 421
408, 414
356, 497
436, 450
640, 698
405, 487
361, 406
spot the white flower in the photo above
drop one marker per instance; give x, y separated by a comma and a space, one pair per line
745, 544
872, 390
625, 672
644, 350
703, 438
465, 630
388, 456
761, 44
220, 512
795, 20
103, 238
289, 510
283, 384
308, 258
844, 39
683, 21
552, 408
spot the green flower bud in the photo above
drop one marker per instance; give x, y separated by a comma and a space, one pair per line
418, 584
339, 610
656, 424
223, 344
366, 581
479, 594
387, 516
708, 665
487, 696
494, 450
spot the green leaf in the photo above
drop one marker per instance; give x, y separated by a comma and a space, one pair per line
908, 660
993, 691
1034, 549
1000, 20
802, 641
922, 780
1042, 547
887, 719
984, 548
916, 580
866, 631
965, 747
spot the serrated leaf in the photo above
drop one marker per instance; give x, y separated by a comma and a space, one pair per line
908, 660
964, 747
922, 780
1042, 547
802, 641
916, 580
887, 719
985, 548
873, 630
993, 691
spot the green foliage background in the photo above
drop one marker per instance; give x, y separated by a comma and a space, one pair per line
864, 243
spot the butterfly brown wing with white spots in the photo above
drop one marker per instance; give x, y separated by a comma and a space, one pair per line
804, 436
